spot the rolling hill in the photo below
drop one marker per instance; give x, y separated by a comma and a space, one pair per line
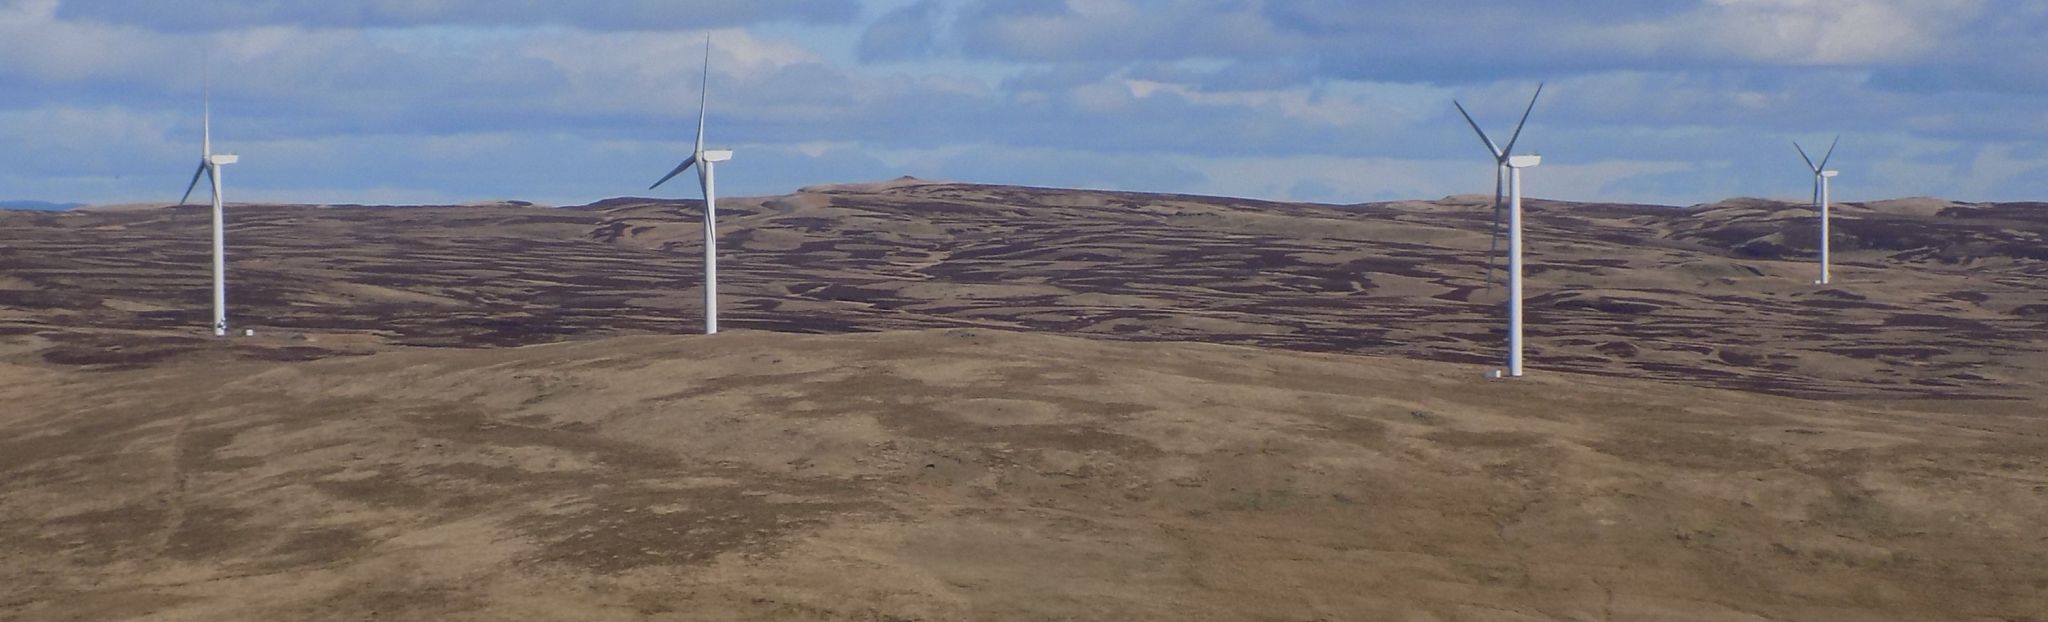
974, 474
1934, 300
950, 401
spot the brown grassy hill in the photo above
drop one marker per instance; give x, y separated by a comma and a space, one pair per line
1935, 299
974, 474
1707, 436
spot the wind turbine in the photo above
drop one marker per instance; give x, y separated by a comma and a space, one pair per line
1509, 166
1821, 182
706, 179
210, 165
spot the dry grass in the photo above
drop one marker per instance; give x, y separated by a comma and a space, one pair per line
1706, 437
971, 474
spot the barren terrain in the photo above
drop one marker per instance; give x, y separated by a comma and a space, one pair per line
948, 401
1932, 299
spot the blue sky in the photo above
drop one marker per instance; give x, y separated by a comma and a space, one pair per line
567, 101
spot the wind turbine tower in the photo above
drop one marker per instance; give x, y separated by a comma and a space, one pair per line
707, 180
1822, 180
210, 164
1509, 166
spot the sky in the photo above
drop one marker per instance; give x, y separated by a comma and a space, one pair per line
565, 102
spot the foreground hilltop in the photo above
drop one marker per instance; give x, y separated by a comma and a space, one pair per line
974, 474
1935, 299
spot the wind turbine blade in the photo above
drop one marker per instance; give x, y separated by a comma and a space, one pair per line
1816, 190
1493, 249
195, 184
206, 128
206, 110
1831, 153
1802, 156
1525, 121
672, 174
704, 96
1495, 149
1493, 252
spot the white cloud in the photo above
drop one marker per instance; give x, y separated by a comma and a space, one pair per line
1316, 99
1299, 104
643, 72
1997, 169
97, 141
1357, 180
37, 44
1829, 32
619, 15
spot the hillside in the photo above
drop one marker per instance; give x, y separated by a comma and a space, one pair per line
1934, 299
976, 474
948, 401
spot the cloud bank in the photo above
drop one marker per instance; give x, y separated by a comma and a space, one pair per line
1326, 100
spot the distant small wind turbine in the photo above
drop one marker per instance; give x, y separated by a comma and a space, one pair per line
1508, 165
707, 180
1822, 178
210, 165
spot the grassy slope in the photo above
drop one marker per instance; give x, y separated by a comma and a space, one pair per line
957, 474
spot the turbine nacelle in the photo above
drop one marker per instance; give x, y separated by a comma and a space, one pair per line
717, 155
1524, 161
223, 159
1830, 174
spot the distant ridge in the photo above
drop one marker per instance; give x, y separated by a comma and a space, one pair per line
39, 206
1688, 295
